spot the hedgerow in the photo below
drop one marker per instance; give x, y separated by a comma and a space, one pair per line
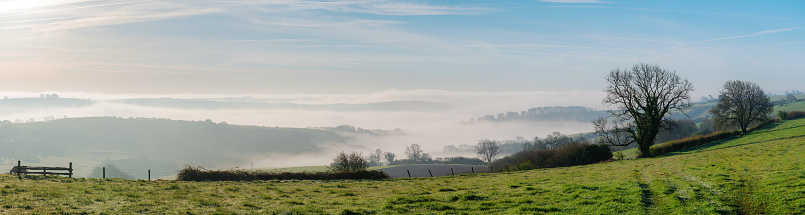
793, 115
191, 173
693, 141
566, 155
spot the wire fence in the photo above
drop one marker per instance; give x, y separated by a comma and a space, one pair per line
410, 171
111, 171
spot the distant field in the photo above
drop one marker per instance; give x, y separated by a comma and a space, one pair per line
796, 106
759, 173
309, 168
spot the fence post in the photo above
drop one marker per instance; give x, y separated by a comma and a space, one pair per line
431, 174
409, 173
473, 170
451, 172
70, 170
490, 169
19, 169
149, 174
104, 173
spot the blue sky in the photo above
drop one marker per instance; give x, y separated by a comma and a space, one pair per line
295, 46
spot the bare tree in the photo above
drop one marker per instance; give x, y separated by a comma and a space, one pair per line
375, 158
555, 139
488, 149
390, 157
644, 95
414, 152
349, 162
741, 103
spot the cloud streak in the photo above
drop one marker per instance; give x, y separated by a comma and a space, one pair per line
572, 1
759, 33
92, 13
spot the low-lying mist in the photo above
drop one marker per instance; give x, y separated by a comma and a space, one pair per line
432, 129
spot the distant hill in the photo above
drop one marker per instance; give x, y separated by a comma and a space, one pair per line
24, 104
251, 104
552, 113
161, 144
698, 112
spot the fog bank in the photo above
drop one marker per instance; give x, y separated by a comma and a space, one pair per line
431, 129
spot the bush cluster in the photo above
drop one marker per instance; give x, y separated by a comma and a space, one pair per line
693, 141
576, 153
191, 173
344, 162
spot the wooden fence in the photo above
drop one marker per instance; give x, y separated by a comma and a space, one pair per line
42, 170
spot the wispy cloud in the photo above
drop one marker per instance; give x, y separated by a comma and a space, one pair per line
117, 18
676, 11
759, 33
272, 40
407, 8
73, 14
572, 1
776, 44
380, 7
532, 45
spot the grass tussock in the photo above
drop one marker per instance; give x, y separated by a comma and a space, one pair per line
191, 173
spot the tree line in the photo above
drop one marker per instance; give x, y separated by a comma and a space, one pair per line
577, 113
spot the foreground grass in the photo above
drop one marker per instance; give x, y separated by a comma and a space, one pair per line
758, 173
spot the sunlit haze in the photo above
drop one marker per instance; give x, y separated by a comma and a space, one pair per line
475, 58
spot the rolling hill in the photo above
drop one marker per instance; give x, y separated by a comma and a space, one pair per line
161, 145
758, 173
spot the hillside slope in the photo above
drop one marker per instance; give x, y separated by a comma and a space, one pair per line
762, 172
161, 145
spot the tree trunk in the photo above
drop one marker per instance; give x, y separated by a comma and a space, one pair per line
645, 151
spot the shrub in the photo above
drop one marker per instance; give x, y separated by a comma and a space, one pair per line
190, 173
349, 162
782, 115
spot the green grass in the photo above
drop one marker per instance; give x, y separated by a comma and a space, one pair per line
796, 106
760, 173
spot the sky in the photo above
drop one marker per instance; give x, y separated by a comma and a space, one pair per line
240, 47
480, 56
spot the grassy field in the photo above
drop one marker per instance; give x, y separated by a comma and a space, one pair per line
795, 106
759, 173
